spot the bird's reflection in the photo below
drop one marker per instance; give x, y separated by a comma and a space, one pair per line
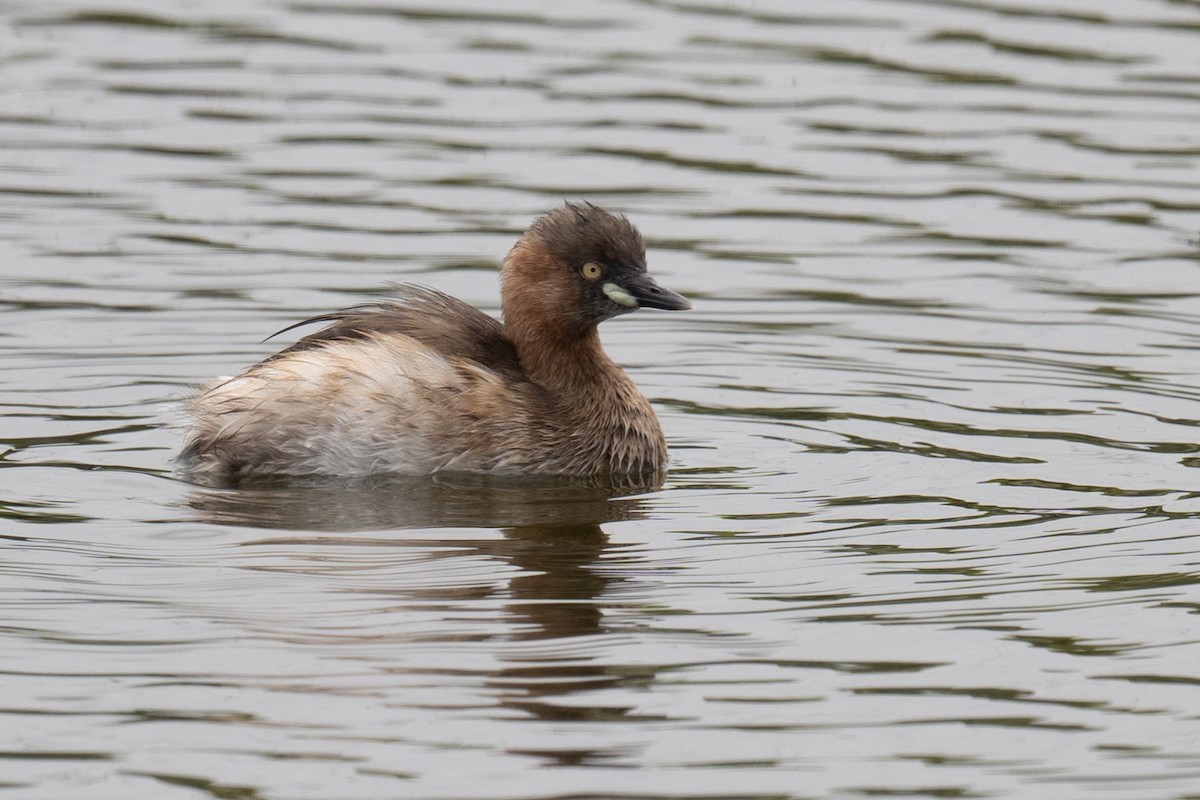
560, 584
439, 501
551, 528
551, 531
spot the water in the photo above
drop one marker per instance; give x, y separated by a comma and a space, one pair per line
930, 529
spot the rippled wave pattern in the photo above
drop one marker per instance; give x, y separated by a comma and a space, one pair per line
931, 527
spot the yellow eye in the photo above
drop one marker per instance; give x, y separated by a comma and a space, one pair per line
591, 270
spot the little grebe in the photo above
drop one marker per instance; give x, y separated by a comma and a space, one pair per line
425, 383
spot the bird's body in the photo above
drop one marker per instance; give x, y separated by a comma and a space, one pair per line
425, 383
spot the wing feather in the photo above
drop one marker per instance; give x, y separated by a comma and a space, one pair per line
452, 328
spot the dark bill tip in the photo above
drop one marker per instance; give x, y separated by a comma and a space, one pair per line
649, 294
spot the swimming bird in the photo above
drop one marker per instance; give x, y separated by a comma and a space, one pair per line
424, 383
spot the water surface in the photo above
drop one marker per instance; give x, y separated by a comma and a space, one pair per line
930, 528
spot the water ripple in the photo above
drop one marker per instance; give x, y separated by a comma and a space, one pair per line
932, 422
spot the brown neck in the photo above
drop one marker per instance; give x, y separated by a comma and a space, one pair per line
574, 365
604, 424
